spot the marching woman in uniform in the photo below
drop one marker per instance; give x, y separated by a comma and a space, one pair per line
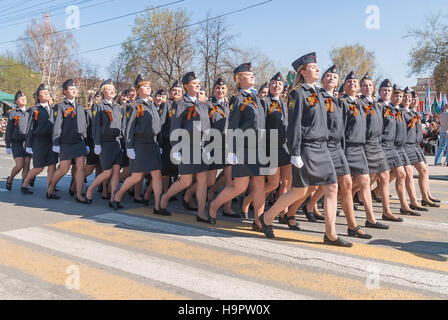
388, 144
376, 158
107, 129
70, 139
414, 157
92, 160
39, 139
307, 137
264, 91
423, 178
336, 130
15, 139
141, 145
190, 118
276, 119
169, 169
399, 142
355, 139
219, 114
247, 114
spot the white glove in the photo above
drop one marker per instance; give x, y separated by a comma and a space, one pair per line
29, 150
8, 151
177, 156
57, 149
232, 159
97, 150
131, 154
297, 162
87, 149
161, 151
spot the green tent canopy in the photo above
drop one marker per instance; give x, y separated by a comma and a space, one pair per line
6, 97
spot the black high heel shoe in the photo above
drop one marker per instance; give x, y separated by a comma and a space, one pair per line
8, 184
294, 227
435, 200
52, 196
83, 201
339, 242
115, 205
199, 219
309, 215
267, 230
25, 191
428, 204
186, 205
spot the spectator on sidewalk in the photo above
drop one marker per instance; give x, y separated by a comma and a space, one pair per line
443, 141
430, 138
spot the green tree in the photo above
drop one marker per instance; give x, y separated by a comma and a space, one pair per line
355, 58
430, 53
161, 46
15, 76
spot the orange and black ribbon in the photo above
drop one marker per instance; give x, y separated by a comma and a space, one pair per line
140, 111
329, 105
216, 109
172, 113
247, 101
398, 116
16, 120
36, 115
313, 99
369, 109
192, 112
354, 109
68, 111
274, 107
109, 114
412, 122
388, 112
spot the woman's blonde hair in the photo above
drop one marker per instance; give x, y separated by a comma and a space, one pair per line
237, 77
299, 79
103, 88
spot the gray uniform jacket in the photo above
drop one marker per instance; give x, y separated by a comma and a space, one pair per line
17, 126
143, 124
307, 118
107, 123
70, 124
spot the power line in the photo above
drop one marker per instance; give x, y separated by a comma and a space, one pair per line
24, 21
175, 29
93, 23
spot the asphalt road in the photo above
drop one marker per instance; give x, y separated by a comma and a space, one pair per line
64, 250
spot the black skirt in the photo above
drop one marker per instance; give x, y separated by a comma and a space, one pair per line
392, 156
420, 154
376, 158
73, 151
403, 156
195, 163
43, 155
111, 154
18, 150
357, 160
318, 166
340, 162
250, 166
168, 168
147, 158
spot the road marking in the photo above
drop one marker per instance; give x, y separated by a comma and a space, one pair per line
254, 258
202, 281
293, 237
94, 283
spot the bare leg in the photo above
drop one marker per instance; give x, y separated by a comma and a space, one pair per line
26, 167
410, 185
105, 175
181, 184
230, 191
130, 181
383, 183
17, 168
156, 184
57, 176
423, 181
201, 193
363, 181
228, 183
30, 176
80, 177
283, 202
331, 202
400, 175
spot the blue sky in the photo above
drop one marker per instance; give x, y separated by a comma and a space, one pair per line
283, 30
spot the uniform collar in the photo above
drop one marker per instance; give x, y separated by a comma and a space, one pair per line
190, 98
111, 102
72, 102
273, 98
310, 88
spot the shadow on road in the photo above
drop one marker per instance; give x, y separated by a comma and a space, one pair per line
430, 250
